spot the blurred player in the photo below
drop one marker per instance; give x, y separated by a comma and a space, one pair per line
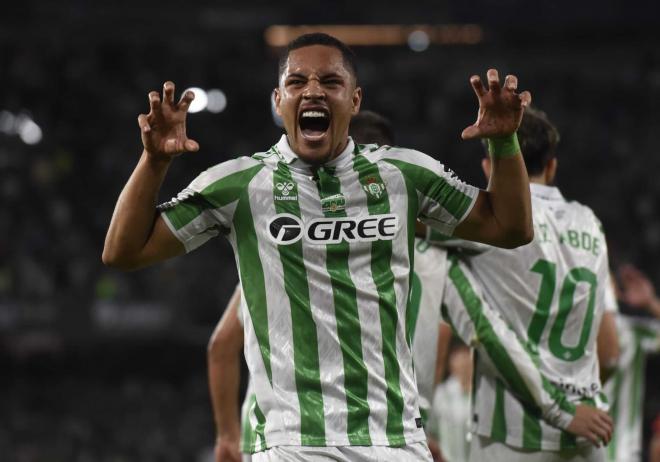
450, 422
323, 230
552, 293
638, 336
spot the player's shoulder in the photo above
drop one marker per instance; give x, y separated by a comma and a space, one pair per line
222, 170
397, 155
585, 214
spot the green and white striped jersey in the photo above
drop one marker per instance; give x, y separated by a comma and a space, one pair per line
625, 391
552, 294
324, 258
428, 286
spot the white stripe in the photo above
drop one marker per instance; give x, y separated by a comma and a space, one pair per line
286, 409
331, 364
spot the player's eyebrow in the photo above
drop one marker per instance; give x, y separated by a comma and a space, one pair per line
296, 75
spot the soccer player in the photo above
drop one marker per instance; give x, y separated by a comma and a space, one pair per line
323, 231
552, 294
638, 336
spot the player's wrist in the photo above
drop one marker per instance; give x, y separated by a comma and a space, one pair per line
157, 160
504, 146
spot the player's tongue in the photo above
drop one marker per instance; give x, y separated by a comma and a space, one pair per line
314, 124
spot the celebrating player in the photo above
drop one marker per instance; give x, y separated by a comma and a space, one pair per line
322, 230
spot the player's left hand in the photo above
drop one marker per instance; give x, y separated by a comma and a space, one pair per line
500, 108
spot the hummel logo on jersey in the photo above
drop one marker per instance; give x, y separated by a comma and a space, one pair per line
373, 187
287, 229
287, 191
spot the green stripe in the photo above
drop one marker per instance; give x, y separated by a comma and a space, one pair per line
305, 339
252, 276
567, 441
349, 329
247, 432
381, 257
637, 371
217, 194
435, 187
498, 427
259, 430
424, 414
532, 433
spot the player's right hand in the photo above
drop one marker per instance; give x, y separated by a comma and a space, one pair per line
163, 129
592, 424
227, 450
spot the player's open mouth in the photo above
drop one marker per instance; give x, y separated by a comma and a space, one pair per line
314, 123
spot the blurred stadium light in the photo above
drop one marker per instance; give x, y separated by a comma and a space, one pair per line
384, 35
22, 125
214, 100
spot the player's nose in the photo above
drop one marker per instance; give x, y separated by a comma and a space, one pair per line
314, 90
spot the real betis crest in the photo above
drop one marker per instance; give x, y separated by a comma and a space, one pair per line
373, 187
334, 203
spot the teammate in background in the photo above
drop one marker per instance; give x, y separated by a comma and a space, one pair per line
224, 372
638, 336
450, 423
552, 293
317, 215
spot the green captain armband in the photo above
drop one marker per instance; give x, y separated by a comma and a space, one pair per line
505, 146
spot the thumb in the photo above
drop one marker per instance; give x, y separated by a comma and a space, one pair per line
470, 132
191, 145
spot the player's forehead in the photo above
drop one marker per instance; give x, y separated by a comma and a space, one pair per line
316, 59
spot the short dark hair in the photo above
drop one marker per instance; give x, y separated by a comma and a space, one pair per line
538, 139
369, 127
319, 38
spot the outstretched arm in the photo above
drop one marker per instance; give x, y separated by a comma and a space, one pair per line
502, 215
137, 236
223, 359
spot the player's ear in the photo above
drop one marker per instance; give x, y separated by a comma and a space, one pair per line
550, 171
486, 166
357, 100
277, 98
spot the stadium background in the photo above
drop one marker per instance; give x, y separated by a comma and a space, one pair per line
97, 365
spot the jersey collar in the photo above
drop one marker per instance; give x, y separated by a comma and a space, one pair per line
545, 192
286, 155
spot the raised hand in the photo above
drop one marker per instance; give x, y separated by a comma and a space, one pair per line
636, 289
163, 130
500, 109
592, 424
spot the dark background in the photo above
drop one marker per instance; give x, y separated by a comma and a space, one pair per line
98, 365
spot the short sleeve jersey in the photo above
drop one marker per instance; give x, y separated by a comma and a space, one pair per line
553, 293
324, 256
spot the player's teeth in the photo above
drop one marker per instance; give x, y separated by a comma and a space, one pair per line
313, 114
